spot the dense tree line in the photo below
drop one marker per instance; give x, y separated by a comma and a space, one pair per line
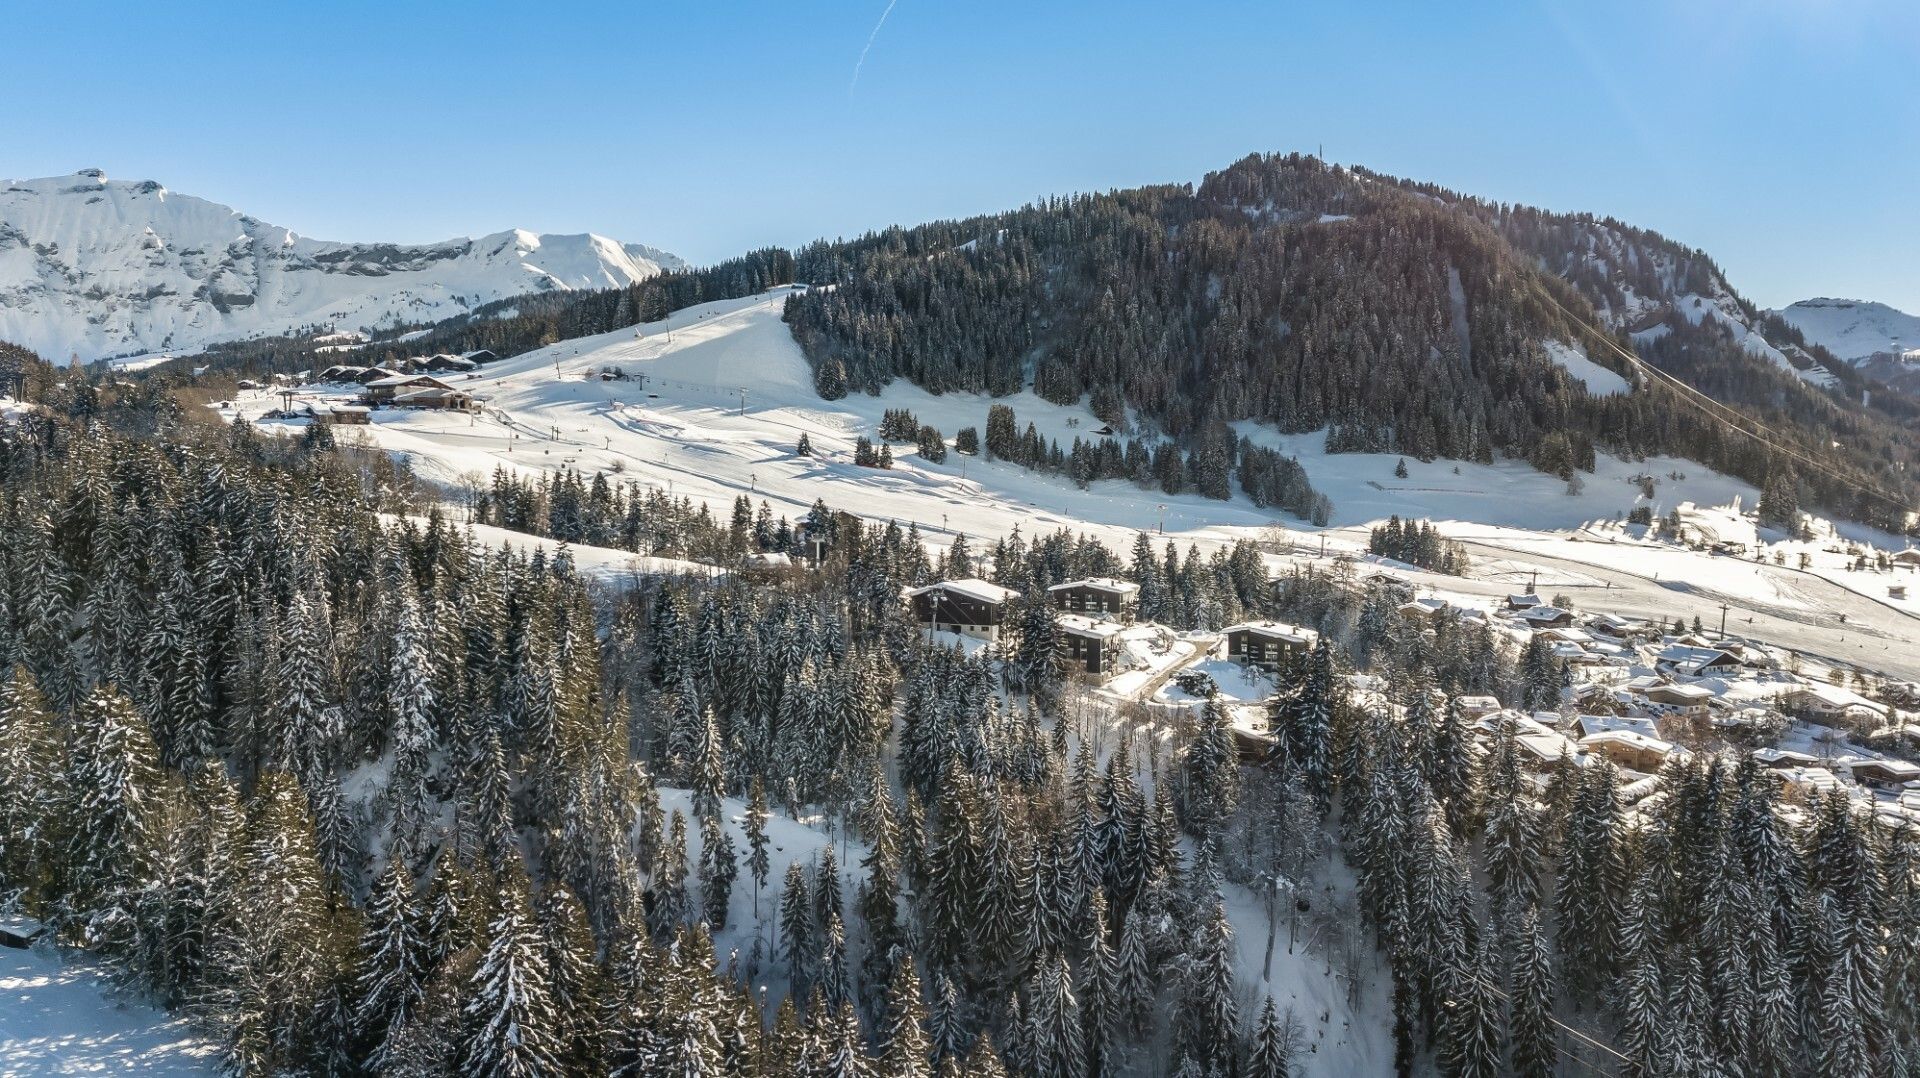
1416, 542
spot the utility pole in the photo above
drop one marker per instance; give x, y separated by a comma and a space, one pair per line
1533, 583
1723, 619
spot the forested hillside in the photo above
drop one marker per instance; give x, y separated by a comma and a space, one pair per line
1399, 317
366, 798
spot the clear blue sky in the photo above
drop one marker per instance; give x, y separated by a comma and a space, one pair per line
1782, 136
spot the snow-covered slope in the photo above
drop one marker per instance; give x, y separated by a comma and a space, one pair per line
100, 267
1853, 329
61, 1018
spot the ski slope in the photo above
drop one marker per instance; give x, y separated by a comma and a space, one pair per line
717, 397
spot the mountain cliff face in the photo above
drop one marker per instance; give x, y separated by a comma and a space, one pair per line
96, 267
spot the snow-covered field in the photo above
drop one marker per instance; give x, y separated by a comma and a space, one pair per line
716, 399
58, 1019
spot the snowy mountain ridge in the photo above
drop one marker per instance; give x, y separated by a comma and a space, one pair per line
96, 267
1853, 329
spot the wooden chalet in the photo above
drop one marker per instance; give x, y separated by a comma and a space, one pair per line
1098, 597
1089, 646
1267, 643
970, 607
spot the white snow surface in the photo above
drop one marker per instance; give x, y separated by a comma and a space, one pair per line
1600, 381
99, 267
59, 1018
1852, 329
689, 429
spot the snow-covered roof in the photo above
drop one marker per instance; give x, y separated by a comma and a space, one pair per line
406, 380
1081, 625
1275, 630
1600, 724
1100, 583
1523, 600
1632, 738
1694, 693
972, 588
1542, 612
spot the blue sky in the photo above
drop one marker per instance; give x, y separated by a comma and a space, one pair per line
1782, 136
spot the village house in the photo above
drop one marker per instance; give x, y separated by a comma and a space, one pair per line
1908, 558
1883, 774
970, 607
1523, 602
1668, 699
1541, 616
1267, 643
390, 385
1541, 749
1689, 660
1098, 597
1832, 706
1475, 706
1089, 647
348, 415
438, 398
1630, 749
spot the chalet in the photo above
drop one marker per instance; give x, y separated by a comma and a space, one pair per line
1883, 774
1908, 558
1684, 701
439, 398
1267, 643
1688, 660
1522, 602
391, 385
480, 357
1540, 748
1806, 782
1778, 759
445, 362
1617, 627
373, 375
1100, 597
345, 415
1590, 725
1831, 705
1089, 646
1475, 706
341, 373
1542, 616
1630, 749
969, 607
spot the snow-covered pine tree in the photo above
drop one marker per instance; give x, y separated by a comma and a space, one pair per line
512, 1029
393, 975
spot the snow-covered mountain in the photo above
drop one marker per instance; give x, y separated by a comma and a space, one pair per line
1853, 329
100, 267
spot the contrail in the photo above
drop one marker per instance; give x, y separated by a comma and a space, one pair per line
869, 46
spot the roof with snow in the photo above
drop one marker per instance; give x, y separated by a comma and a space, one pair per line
1275, 630
1100, 583
972, 588
1081, 625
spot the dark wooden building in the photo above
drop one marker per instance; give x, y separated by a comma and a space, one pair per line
1089, 647
1267, 643
1096, 597
969, 607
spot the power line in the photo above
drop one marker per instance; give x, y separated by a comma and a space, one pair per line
1728, 415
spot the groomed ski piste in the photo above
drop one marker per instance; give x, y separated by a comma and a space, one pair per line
715, 400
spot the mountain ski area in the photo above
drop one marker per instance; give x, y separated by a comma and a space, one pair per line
1305, 622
